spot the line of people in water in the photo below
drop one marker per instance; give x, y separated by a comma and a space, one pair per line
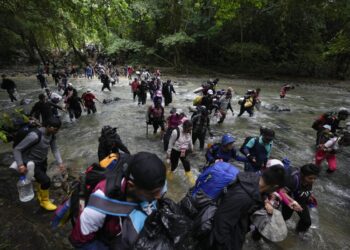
124, 191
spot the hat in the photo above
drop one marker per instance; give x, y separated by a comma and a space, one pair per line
88, 90
158, 93
146, 170
326, 126
70, 84
272, 227
173, 110
274, 162
179, 111
210, 92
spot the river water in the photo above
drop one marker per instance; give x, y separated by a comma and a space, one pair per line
295, 139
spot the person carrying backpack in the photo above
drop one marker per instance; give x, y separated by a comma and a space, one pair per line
44, 109
224, 151
89, 101
34, 147
119, 205
201, 124
180, 144
173, 121
258, 149
241, 200
105, 81
332, 119
155, 116
299, 186
328, 149
10, 87
110, 143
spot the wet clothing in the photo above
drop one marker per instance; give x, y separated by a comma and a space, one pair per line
134, 88
142, 93
45, 110
231, 221
109, 145
94, 229
156, 117
301, 194
330, 119
88, 99
10, 87
89, 72
224, 106
173, 121
216, 152
178, 148
105, 81
247, 105
260, 151
167, 91
55, 99
29, 149
284, 90
200, 127
207, 101
74, 107
42, 80
328, 152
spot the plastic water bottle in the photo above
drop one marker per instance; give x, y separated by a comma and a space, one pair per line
314, 217
25, 189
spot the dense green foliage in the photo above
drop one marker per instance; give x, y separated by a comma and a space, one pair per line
304, 38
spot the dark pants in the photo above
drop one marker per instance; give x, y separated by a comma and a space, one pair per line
174, 159
41, 176
91, 109
200, 137
11, 94
74, 113
142, 98
305, 219
249, 167
43, 84
134, 95
156, 124
249, 110
167, 100
106, 86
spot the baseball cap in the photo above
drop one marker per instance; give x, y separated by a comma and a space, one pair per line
146, 170
326, 126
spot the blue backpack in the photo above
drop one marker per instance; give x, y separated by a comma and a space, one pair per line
214, 179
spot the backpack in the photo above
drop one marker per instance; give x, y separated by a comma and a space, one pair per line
214, 179
246, 140
23, 132
81, 190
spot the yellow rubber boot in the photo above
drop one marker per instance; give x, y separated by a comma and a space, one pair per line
190, 178
170, 175
37, 191
45, 201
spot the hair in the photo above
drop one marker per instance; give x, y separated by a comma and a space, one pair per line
42, 97
274, 176
54, 122
187, 124
310, 169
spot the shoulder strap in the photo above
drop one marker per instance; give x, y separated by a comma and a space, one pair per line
109, 206
178, 133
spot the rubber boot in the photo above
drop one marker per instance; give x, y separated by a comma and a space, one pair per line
190, 178
45, 201
170, 175
37, 191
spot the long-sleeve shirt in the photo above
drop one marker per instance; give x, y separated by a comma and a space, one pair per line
29, 149
216, 152
183, 142
225, 104
200, 124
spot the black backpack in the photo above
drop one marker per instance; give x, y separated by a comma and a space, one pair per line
23, 132
246, 140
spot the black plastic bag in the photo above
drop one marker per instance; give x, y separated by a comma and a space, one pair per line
167, 228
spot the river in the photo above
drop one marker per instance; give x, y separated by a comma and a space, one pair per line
295, 139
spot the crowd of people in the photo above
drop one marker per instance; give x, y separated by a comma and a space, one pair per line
124, 191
